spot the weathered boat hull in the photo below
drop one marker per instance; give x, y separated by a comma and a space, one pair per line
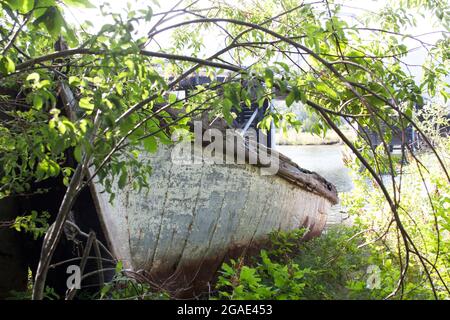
196, 215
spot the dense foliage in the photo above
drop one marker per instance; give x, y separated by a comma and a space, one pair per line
329, 267
79, 102
425, 211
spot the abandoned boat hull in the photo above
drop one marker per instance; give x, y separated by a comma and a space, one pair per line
194, 216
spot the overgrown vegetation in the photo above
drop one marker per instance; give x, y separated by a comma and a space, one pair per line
84, 102
425, 211
361, 261
347, 262
327, 267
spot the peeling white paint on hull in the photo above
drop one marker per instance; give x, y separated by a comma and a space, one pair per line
195, 215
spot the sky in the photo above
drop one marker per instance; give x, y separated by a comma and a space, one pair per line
350, 10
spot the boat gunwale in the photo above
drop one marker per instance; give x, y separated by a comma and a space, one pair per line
288, 170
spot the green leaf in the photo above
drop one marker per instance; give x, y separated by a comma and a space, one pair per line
123, 178
77, 153
322, 87
53, 21
283, 65
130, 64
226, 110
119, 267
290, 98
7, 66
62, 127
85, 103
149, 14
150, 144
249, 275
74, 81
268, 77
172, 98
47, 168
23, 6
34, 77
38, 102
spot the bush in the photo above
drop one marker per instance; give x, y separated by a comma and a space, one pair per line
424, 213
328, 267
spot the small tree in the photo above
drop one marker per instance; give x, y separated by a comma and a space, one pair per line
117, 91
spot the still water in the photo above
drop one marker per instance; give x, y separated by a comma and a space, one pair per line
327, 161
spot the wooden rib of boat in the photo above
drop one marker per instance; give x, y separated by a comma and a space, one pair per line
194, 216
